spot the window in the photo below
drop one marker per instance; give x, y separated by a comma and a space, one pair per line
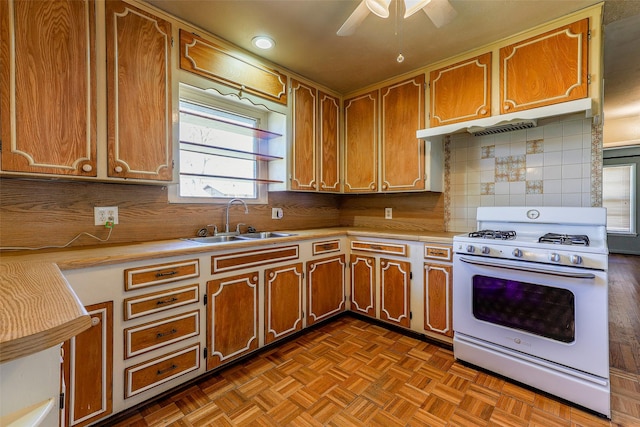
618, 191
219, 150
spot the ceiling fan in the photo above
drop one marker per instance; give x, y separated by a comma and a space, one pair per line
439, 11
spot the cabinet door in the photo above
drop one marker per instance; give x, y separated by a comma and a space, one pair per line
363, 279
282, 301
88, 368
438, 315
546, 69
138, 93
303, 151
325, 288
328, 142
402, 156
361, 144
461, 91
48, 86
395, 287
232, 318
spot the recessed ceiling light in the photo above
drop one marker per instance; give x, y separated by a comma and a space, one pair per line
263, 42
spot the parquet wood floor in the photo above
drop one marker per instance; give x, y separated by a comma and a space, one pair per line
351, 372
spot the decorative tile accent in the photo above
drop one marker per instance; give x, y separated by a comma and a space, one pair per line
511, 168
534, 187
535, 146
447, 182
596, 165
487, 188
488, 151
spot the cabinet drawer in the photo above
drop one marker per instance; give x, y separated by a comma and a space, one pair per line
439, 252
146, 375
149, 336
238, 260
159, 301
152, 275
326, 247
383, 248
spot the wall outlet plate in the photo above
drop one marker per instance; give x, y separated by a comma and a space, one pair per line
102, 215
276, 213
388, 213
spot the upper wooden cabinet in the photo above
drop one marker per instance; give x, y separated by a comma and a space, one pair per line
461, 91
402, 154
138, 93
48, 86
546, 69
361, 143
315, 153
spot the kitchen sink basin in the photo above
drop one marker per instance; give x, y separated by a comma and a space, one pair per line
213, 239
263, 235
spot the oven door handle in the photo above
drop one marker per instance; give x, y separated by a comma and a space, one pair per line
531, 270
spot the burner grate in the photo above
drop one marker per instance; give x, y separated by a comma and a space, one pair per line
494, 234
565, 239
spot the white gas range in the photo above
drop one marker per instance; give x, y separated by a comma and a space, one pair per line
530, 299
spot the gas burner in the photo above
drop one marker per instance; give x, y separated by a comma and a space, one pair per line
494, 234
565, 239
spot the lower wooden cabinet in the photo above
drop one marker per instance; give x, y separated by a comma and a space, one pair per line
88, 367
325, 288
438, 304
232, 318
283, 311
395, 291
363, 282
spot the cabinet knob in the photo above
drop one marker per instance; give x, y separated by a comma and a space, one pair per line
506, 107
118, 169
95, 321
87, 168
385, 186
483, 111
372, 186
314, 186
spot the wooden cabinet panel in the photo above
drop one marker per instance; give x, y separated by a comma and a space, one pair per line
402, 156
395, 289
303, 152
329, 142
238, 260
363, 280
152, 275
325, 288
361, 144
48, 86
159, 301
379, 247
88, 369
461, 91
150, 336
546, 69
232, 318
438, 316
146, 375
139, 136
283, 313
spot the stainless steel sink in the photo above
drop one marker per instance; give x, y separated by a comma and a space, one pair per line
264, 235
213, 239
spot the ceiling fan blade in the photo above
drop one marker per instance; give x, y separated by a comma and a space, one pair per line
355, 19
440, 12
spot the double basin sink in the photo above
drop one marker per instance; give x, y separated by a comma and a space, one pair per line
239, 237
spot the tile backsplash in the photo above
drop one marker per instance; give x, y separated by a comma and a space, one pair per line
557, 163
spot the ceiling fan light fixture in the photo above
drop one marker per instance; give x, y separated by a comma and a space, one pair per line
379, 7
413, 6
263, 42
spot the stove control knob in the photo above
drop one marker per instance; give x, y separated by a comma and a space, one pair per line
470, 249
485, 250
576, 259
554, 257
517, 253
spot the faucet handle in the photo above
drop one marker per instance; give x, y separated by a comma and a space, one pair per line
251, 229
215, 228
238, 227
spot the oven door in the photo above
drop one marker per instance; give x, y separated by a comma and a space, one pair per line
556, 313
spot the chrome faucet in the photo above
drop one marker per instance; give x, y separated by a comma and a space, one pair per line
232, 201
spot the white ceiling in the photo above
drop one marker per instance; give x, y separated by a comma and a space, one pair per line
307, 44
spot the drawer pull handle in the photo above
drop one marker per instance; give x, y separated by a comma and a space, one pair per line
164, 371
166, 301
168, 273
376, 247
164, 334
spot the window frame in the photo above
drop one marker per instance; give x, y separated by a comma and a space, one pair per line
632, 199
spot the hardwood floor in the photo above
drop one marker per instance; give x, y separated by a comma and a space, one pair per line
354, 373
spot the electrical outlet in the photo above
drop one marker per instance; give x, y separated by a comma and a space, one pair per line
103, 214
388, 213
276, 213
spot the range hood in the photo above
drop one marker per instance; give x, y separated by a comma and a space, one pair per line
512, 121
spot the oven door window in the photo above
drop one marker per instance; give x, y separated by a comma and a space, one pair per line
541, 310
